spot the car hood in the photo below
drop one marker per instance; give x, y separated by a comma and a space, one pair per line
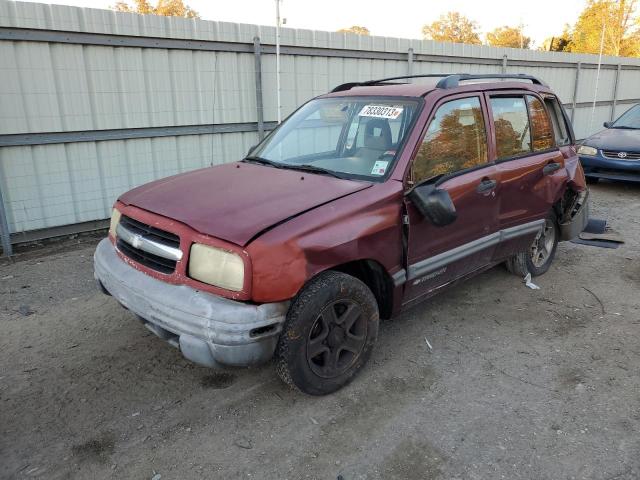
237, 201
615, 139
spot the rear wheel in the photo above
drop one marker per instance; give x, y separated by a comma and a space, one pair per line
538, 258
329, 334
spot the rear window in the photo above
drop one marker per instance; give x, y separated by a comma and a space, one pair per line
512, 126
558, 121
541, 130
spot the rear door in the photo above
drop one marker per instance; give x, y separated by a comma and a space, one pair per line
454, 156
530, 167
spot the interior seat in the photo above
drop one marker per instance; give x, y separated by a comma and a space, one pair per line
377, 139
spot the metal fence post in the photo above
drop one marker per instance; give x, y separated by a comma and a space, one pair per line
615, 93
410, 61
257, 54
4, 229
576, 83
504, 64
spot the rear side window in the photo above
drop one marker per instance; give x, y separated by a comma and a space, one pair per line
456, 140
541, 131
557, 121
512, 126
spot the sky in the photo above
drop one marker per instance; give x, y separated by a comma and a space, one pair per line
398, 18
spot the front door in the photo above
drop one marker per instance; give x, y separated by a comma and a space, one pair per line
453, 156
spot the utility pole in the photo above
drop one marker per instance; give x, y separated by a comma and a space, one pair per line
278, 23
595, 93
520, 27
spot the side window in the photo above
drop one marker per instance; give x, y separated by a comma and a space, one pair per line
557, 121
512, 126
455, 140
541, 130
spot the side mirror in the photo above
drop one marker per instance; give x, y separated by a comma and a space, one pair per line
434, 204
607, 124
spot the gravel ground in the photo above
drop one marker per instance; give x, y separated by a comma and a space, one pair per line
528, 384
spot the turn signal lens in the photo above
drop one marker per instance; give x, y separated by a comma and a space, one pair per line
115, 220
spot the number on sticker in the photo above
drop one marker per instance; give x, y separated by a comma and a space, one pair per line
381, 111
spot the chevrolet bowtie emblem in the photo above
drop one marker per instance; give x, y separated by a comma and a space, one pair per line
136, 241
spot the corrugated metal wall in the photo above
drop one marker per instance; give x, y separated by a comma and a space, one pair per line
94, 102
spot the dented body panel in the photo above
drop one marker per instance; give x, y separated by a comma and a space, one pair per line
366, 226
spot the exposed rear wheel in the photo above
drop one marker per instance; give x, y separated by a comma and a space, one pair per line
329, 333
538, 258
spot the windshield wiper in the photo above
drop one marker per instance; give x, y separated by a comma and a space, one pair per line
313, 169
262, 161
305, 167
625, 127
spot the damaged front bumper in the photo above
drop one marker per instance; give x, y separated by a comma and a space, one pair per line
209, 330
576, 217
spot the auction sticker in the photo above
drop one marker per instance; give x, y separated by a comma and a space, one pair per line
379, 167
381, 111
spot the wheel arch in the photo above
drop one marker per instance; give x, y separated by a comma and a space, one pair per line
375, 276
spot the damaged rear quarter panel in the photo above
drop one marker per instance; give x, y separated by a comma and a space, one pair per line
363, 225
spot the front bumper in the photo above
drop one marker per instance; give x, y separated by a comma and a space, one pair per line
209, 330
600, 166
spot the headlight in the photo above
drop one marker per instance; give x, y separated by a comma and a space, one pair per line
115, 220
586, 150
216, 267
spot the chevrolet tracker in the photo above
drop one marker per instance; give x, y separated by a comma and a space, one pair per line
363, 202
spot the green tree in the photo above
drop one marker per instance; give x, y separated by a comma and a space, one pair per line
452, 27
508, 37
358, 30
167, 8
621, 34
619, 27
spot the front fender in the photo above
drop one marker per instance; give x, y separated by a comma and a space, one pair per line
365, 225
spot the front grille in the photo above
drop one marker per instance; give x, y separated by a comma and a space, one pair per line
150, 260
614, 154
152, 233
155, 262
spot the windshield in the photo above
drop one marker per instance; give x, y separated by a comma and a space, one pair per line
350, 137
629, 119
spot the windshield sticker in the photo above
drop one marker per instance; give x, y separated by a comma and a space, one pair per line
381, 111
379, 167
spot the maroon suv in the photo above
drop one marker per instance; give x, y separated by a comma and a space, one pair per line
363, 202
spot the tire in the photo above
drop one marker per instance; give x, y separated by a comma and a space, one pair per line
547, 239
316, 354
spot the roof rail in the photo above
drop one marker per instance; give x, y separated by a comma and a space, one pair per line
448, 80
350, 85
452, 81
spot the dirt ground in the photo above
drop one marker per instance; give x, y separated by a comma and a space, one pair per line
528, 384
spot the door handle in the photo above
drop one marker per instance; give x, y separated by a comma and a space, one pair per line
486, 185
549, 168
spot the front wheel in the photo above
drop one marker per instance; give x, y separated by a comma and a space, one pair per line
538, 258
329, 334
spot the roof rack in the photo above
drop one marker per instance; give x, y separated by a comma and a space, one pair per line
452, 81
448, 80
